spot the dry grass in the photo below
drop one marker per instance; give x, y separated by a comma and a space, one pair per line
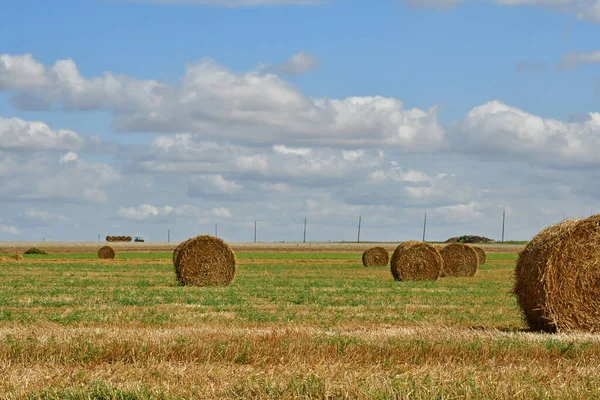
92, 329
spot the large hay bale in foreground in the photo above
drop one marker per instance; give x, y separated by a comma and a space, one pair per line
106, 252
416, 261
481, 256
460, 260
557, 278
205, 260
376, 257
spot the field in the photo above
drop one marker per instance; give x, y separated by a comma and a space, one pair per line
300, 321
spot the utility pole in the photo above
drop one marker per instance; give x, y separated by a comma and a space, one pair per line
359, 221
98, 238
216, 231
254, 231
503, 221
424, 226
168, 235
304, 240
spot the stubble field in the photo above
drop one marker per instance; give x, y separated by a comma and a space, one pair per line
300, 321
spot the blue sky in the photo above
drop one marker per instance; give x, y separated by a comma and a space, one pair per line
187, 115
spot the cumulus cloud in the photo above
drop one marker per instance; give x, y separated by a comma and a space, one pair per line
221, 212
191, 154
18, 134
297, 64
47, 217
11, 230
213, 184
496, 128
47, 177
143, 212
147, 212
252, 107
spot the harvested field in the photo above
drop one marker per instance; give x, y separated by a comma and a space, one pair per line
86, 247
303, 324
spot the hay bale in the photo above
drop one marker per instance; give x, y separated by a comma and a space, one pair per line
416, 261
376, 257
106, 252
205, 260
557, 278
129, 238
481, 256
460, 260
18, 257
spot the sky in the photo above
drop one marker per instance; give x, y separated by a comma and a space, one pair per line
140, 117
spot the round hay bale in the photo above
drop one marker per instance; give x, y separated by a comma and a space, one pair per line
106, 252
205, 260
416, 261
129, 238
460, 260
557, 278
481, 256
108, 238
18, 257
376, 257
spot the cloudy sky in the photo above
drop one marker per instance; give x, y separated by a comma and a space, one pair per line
136, 117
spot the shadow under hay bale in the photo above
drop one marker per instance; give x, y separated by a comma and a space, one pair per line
106, 252
557, 278
376, 257
460, 260
481, 256
416, 261
205, 261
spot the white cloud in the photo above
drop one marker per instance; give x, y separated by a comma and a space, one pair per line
297, 64
143, 212
47, 217
68, 157
42, 177
214, 184
496, 128
18, 134
11, 230
221, 212
21, 72
252, 107
460, 212
191, 154
576, 59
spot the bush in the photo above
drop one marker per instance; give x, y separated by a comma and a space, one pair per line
35, 250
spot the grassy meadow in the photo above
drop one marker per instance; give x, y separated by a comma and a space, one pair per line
292, 325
